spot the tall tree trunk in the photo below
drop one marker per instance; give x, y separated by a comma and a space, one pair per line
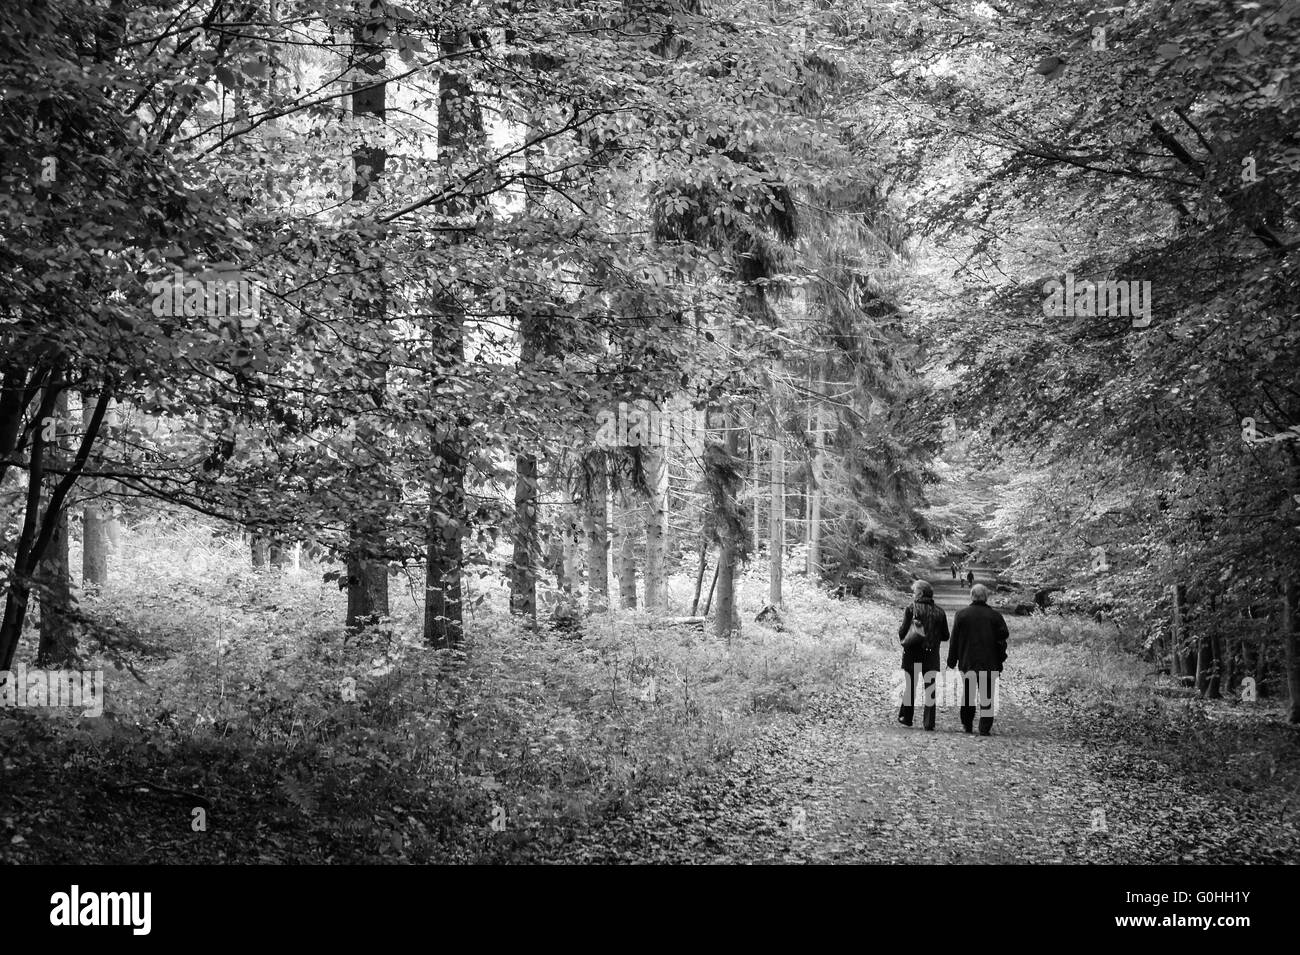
1178, 631
815, 492
656, 462
367, 574
725, 461
444, 560
1202, 662
757, 497
570, 528
1214, 656
776, 520
460, 133
596, 526
523, 576
1229, 646
96, 522
626, 520
58, 642
523, 573
448, 518
1290, 644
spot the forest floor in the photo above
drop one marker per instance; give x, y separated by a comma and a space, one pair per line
842, 781
227, 740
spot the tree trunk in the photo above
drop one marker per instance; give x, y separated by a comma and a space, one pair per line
58, 642
570, 528
367, 587
596, 527
523, 576
1291, 649
776, 522
1214, 642
96, 521
1229, 664
367, 577
713, 587
625, 521
444, 558
699, 579
260, 551
1178, 631
757, 498
1203, 663
724, 460
1247, 658
656, 461
447, 521
460, 133
815, 491
94, 547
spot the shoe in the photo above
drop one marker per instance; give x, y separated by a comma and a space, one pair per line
968, 729
927, 717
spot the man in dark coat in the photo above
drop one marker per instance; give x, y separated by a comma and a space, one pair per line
978, 649
925, 626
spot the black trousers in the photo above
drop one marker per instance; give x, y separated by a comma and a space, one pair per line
978, 694
921, 670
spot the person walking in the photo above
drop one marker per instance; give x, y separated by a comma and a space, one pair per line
970, 578
925, 626
954, 570
978, 649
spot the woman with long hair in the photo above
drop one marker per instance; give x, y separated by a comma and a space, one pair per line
925, 626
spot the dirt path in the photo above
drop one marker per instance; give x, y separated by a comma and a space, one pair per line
841, 781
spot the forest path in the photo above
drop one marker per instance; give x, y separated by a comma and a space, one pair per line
842, 781
953, 594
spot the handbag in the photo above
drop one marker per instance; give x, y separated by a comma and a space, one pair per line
916, 641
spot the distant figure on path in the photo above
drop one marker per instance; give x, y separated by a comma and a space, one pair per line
978, 649
970, 578
925, 626
954, 570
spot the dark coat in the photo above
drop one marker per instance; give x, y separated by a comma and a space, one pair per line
979, 639
936, 630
